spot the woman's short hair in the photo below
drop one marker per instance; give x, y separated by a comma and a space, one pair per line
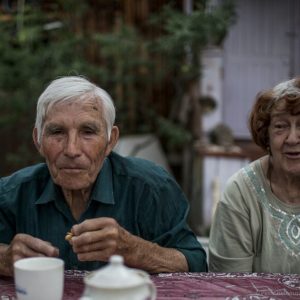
266, 101
73, 88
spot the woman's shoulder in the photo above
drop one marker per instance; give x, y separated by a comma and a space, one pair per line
253, 171
246, 185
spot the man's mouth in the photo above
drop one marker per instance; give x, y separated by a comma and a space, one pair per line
72, 169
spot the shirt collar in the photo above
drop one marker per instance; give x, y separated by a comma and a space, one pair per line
102, 190
103, 187
50, 193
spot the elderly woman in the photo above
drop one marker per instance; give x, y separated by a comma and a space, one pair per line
256, 227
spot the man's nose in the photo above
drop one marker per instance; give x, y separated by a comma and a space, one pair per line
72, 145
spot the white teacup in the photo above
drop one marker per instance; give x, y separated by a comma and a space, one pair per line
39, 278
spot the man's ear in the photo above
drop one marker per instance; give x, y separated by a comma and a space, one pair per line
114, 136
35, 140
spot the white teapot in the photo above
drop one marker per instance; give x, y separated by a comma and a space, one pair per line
118, 282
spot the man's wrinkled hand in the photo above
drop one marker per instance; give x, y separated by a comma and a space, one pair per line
98, 239
22, 246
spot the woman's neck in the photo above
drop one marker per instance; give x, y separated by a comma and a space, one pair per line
283, 186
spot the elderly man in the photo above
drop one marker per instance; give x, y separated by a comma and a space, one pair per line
108, 204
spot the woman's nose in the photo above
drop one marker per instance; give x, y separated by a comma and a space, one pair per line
293, 135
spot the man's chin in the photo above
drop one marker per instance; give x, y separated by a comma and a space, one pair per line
73, 184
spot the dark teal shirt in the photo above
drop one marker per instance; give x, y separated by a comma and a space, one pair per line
141, 196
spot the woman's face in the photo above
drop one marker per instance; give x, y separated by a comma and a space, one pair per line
284, 135
74, 143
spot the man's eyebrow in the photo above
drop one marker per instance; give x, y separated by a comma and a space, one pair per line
91, 125
51, 126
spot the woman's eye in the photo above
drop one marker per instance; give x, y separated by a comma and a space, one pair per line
280, 126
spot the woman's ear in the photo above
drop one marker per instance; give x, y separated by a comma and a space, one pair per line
114, 136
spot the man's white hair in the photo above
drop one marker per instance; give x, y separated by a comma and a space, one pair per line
73, 88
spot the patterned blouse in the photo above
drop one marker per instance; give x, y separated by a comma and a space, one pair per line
252, 230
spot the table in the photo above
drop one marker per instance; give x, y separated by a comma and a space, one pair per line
207, 286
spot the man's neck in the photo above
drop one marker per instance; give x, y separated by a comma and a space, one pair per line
77, 201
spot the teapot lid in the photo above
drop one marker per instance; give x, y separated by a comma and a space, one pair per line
115, 275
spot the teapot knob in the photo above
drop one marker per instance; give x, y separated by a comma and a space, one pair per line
116, 260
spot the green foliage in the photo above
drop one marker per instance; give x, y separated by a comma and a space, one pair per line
184, 36
30, 58
182, 39
177, 135
122, 68
133, 65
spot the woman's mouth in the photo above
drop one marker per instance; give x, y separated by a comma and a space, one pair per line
292, 155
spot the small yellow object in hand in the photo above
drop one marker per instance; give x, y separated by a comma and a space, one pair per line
68, 236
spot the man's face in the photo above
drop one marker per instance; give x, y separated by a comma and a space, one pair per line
74, 143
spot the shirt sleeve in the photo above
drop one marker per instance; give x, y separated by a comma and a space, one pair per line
164, 221
7, 225
231, 243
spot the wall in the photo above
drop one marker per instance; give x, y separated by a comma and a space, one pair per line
261, 49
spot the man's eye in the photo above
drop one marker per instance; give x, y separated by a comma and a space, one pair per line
58, 131
55, 131
88, 131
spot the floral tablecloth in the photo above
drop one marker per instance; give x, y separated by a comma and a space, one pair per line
180, 286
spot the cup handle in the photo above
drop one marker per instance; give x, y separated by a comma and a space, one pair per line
150, 284
152, 289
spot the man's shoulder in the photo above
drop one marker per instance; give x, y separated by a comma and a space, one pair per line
138, 168
23, 176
